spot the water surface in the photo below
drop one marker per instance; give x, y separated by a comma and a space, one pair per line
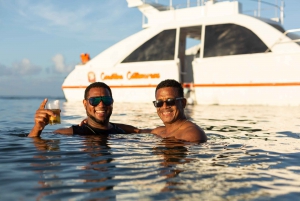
252, 154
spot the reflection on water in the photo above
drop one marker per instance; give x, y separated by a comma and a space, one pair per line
252, 154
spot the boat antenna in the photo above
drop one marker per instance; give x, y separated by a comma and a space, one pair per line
282, 11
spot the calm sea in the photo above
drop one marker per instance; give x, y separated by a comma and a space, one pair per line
252, 153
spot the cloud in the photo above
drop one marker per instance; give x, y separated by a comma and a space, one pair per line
25, 67
59, 64
53, 16
5, 70
21, 77
95, 19
25, 86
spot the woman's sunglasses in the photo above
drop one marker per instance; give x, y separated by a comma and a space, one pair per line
169, 102
107, 100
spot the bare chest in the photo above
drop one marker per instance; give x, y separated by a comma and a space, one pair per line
164, 133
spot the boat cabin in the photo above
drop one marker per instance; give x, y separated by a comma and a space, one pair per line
212, 49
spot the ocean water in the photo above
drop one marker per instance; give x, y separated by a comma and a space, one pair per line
252, 153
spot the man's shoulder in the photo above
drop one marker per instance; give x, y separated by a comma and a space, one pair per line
158, 130
193, 133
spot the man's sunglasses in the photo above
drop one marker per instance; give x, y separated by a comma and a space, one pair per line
169, 102
107, 100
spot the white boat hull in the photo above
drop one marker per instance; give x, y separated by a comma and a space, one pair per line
264, 79
269, 95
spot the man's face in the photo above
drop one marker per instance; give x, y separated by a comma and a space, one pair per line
170, 114
99, 113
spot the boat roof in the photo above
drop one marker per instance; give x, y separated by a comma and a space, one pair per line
155, 13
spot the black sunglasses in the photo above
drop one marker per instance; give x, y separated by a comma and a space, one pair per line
107, 100
169, 102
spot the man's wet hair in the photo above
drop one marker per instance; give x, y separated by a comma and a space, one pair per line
170, 83
96, 85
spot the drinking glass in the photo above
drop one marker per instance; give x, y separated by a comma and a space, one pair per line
53, 105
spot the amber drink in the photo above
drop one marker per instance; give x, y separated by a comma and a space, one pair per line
54, 107
55, 119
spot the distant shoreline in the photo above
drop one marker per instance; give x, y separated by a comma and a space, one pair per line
32, 97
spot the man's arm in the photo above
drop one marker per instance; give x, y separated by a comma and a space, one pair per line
65, 131
146, 130
132, 129
158, 130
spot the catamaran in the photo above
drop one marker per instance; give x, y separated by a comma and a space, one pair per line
235, 59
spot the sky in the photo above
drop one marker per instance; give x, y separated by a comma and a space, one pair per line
41, 41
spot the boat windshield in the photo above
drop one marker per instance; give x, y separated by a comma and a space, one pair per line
294, 36
278, 27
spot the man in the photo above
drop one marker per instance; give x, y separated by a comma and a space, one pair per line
98, 103
170, 105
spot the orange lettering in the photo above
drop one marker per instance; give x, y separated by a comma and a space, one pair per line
113, 76
128, 75
141, 76
91, 77
102, 74
153, 76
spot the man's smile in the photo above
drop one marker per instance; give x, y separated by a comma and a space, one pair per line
166, 113
100, 112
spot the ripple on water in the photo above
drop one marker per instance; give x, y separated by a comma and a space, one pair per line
252, 154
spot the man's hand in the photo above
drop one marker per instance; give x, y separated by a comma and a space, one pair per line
41, 119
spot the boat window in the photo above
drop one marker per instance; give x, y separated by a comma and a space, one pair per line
160, 47
190, 37
231, 39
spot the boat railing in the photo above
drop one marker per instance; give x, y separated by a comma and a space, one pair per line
279, 41
171, 5
274, 11
277, 7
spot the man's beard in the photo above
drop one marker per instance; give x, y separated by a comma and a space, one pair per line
101, 122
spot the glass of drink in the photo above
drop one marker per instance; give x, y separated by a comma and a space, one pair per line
53, 105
